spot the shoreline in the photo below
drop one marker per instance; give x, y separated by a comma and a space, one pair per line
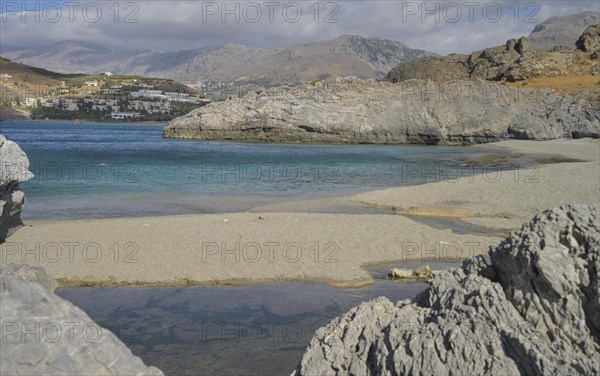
284, 243
83, 122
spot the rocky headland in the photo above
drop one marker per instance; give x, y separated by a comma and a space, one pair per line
14, 169
352, 110
456, 99
530, 307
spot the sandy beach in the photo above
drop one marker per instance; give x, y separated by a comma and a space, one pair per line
280, 242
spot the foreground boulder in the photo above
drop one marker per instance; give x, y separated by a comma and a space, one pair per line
43, 334
352, 110
530, 307
14, 169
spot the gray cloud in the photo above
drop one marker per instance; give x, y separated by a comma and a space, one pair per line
439, 26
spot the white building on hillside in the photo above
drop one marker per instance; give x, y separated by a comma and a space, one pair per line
124, 115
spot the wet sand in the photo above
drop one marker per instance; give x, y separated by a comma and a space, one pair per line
294, 242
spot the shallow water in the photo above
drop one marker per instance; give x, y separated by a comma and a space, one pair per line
108, 170
250, 330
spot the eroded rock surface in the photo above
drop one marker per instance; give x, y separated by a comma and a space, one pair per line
531, 307
14, 169
590, 40
352, 110
43, 334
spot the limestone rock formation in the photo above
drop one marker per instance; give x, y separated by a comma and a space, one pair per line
512, 62
530, 307
14, 169
590, 40
43, 334
352, 110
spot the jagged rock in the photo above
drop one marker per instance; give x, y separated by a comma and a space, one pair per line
522, 46
530, 307
14, 169
549, 49
590, 40
424, 272
352, 110
513, 61
43, 334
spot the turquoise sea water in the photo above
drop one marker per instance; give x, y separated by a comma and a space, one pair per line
115, 170
104, 170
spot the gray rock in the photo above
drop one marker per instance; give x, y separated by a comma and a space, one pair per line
43, 334
352, 110
590, 39
399, 273
14, 169
424, 272
530, 307
29, 274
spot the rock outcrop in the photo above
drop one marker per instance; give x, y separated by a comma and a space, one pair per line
590, 40
14, 169
511, 62
530, 307
43, 334
352, 110
514, 61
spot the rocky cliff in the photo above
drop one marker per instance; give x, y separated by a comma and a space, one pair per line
43, 334
14, 169
351, 110
530, 307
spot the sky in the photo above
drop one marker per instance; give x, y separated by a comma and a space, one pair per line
438, 26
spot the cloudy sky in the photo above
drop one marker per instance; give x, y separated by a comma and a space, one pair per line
438, 26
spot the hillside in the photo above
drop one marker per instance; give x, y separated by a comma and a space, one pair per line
28, 91
344, 56
561, 31
20, 80
570, 69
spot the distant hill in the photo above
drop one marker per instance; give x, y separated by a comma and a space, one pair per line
344, 56
20, 80
561, 31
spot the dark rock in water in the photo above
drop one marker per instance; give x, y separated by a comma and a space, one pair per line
43, 334
14, 169
530, 307
352, 110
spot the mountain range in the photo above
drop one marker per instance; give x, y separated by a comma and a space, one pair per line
343, 56
291, 63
